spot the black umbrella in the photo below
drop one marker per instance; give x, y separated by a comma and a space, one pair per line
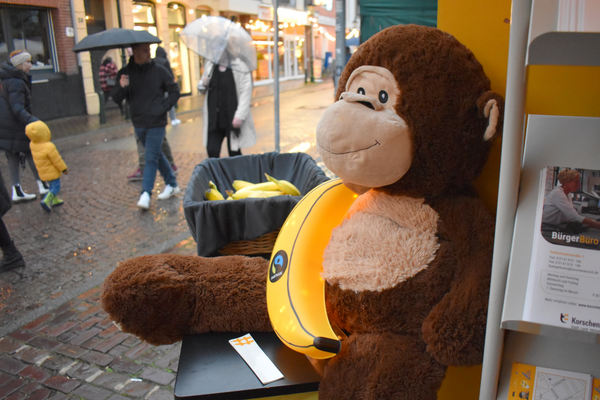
114, 38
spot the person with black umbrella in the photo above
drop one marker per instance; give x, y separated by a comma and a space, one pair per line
143, 83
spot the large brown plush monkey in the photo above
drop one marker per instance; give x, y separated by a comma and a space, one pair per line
408, 270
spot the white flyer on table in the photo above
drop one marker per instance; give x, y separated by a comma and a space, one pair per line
256, 359
564, 277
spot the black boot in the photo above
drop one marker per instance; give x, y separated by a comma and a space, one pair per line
11, 258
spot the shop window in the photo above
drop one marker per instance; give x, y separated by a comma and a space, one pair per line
178, 52
144, 19
27, 29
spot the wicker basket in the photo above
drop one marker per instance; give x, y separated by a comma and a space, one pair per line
260, 245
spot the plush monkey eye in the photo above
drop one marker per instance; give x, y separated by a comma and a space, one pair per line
383, 96
361, 91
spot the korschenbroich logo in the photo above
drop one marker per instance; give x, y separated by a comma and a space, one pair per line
564, 318
585, 322
278, 266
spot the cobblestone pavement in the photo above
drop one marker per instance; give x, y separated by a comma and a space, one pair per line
55, 341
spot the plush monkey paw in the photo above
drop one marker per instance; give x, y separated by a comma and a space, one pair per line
161, 298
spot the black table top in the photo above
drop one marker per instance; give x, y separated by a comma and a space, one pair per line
210, 368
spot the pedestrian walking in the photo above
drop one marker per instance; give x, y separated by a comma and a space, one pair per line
15, 114
48, 161
11, 257
108, 75
226, 111
160, 59
144, 83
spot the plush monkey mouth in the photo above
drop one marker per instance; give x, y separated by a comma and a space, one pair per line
352, 151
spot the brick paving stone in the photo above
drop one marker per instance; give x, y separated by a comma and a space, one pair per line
30, 387
108, 332
40, 394
31, 354
119, 397
22, 335
110, 380
91, 343
89, 312
115, 340
106, 322
171, 355
148, 357
138, 350
64, 307
17, 396
118, 351
8, 345
65, 316
88, 323
62, 328
4, 378
35, 373
60, 396
56, 362
85, 336
174, 366
37, 322
11, 366
67, 336
11, 386
90, 392
137, 388
94, 357
82, 371
126, 366
62, 383
89, 293
132, 341
158, 376
70, 350
160, 395
44, 343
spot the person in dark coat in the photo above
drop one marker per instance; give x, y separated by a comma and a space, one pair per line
160, 59
11, 257
15, 114
143, 84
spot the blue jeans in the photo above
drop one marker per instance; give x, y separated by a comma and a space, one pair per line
54, 186
152, 139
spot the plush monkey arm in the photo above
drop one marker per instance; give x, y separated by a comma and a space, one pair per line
455, 328
160, 298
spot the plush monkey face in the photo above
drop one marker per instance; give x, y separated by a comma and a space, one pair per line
361, 138
415, 115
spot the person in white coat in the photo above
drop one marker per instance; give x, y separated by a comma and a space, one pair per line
226, 112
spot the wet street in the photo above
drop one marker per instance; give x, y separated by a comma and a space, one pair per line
71, 250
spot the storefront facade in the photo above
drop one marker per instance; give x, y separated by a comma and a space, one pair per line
67, 84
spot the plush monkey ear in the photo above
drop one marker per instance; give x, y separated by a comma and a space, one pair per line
491, 106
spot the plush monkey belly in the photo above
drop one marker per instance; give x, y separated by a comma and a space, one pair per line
388, 269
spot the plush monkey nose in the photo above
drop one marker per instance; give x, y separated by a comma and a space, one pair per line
369, 102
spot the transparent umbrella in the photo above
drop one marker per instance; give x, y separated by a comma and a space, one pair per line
220, 41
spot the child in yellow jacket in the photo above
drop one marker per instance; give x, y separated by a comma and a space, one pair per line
48, 161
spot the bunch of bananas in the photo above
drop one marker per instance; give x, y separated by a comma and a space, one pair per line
244, 189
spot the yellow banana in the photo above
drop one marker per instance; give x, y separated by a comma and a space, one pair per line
255, 194
265, 186
295, 288
212, 185
213, 194
238, 184
285, 186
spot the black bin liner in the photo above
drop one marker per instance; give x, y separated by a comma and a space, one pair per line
214, 224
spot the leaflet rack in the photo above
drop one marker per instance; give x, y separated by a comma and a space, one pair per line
545, 74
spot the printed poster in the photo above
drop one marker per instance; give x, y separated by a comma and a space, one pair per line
564, 276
